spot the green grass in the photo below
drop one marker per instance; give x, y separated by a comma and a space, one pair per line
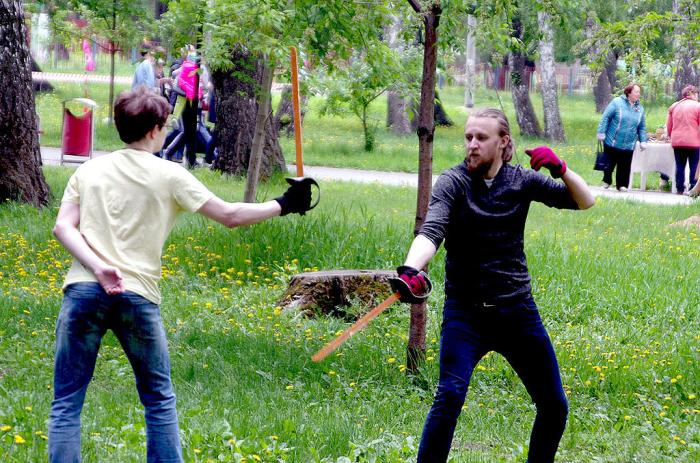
616, 285
75, 64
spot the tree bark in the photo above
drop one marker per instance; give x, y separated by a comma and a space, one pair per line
440, 116
524, 112
602, 90
553, 127
39, 86
426, 129
112, 51
397, 114
685, 50
236, 108
263, 114
284, 116
334, 292
470, 63
397, 106
21, 178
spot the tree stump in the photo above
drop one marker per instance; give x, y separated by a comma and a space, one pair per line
341, 293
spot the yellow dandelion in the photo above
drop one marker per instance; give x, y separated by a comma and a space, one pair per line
19, 439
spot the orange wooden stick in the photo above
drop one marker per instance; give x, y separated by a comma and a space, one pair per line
297, 113
357, 326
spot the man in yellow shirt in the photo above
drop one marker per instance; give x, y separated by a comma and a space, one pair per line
116, 213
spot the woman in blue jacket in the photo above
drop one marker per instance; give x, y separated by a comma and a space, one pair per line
620, 127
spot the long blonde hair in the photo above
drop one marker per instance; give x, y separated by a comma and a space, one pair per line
503, 128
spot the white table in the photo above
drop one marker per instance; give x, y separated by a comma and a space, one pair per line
658, 157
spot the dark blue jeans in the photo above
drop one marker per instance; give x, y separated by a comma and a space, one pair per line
86, 315
686, 156
515, 331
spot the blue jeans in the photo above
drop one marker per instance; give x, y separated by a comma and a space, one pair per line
685, 156
86, 315
515, 331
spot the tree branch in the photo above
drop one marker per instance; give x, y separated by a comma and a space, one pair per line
415, 5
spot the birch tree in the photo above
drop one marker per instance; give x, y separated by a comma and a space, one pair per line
553, 127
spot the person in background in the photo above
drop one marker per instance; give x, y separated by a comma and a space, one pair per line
116, 213
683, 126
145, 72
479, 209
620, 127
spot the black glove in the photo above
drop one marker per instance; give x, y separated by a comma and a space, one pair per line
412, 285
296, 199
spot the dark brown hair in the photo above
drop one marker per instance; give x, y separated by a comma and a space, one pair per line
629, 88
688, 90
139, 111
503, 128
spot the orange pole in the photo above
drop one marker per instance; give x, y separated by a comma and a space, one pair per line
357, 326
297, 113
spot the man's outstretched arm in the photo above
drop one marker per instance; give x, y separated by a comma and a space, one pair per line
578, 189
239, 214
297, 199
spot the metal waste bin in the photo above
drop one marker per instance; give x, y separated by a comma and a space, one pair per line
77, 130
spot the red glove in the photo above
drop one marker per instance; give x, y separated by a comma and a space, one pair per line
543, 156
414, 286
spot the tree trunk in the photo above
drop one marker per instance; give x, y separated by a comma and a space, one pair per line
38, 85
602, 90
553, 127
337, 292
685, 50
470, 63
441, 117
263, 114
112, 51
21, 178
397, 114
524, 112
284, 116
397, 105
236, 109
426, 129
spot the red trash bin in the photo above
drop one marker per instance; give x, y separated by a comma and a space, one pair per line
78, 131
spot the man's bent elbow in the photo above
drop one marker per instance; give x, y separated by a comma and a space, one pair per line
58, 230
587, 204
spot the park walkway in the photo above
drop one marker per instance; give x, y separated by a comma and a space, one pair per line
51, 156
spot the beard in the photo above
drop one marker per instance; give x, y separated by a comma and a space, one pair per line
476, 165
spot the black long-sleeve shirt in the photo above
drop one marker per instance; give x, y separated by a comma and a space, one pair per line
483, 229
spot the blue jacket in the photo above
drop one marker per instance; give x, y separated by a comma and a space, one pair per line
623, 124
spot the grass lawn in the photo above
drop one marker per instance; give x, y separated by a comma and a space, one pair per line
338, 140
616, 285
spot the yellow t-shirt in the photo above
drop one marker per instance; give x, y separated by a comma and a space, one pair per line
129, 200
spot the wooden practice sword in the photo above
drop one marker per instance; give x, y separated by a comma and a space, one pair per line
357, 326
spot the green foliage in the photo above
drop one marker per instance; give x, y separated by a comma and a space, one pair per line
120, 21
354, 87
